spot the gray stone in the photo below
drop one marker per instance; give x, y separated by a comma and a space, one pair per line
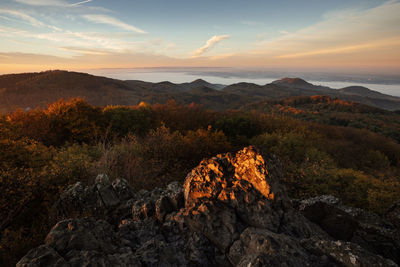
351, 224
42, 256
231, 211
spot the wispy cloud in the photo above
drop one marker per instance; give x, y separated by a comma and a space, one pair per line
340, 33
42, 2
21, 15
85, 51
70, 39
210, 44
80, 3
104, 19
56, 3
363, 37
346, 49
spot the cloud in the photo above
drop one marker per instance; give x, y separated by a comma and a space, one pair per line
42, 2
104, 19
85, 51
340, 33
210, 44
80, 3
56, 3
18, 62
23, 16
342, 39
346, 49
57, 39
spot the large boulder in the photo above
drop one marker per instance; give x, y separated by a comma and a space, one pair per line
103, 200
81, 242
270, 249
345, 253
393, 214
158, 203
228, 193
355, 225
231, 211
214, 177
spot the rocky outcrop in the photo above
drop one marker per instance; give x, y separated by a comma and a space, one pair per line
103, 200
368, 230
231, 211
227, 194
393, 214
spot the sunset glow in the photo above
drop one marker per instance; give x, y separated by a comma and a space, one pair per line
64, 34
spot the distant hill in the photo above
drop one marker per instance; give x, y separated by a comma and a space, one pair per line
202, 83
174, 87
298, 83
294, 83
38, 89
272, 90
204, 90
363, 91
29, 90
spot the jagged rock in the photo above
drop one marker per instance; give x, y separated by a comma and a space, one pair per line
232, 210
163, 207
94, 258
123, 189
393, 215
263, 247
351, 224
158, 203
81, 242
143, 209
82, 234
103, 200
336, 222
226, 194
345, 253
218, 223
213, 176
106, 191
42, 256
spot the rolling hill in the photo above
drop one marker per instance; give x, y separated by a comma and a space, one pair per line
29, 90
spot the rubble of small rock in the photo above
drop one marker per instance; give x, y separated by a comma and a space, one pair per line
231, 211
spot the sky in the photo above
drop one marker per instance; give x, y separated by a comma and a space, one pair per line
339, 35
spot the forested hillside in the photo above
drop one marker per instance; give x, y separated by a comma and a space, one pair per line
46, 149
30, 90
333, 111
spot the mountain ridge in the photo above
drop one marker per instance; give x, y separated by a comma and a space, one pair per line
29, 90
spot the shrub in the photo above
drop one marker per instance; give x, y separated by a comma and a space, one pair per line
31, 178
160, 157
235, 126
124, 120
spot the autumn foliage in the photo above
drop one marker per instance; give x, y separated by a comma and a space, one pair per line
45, 150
